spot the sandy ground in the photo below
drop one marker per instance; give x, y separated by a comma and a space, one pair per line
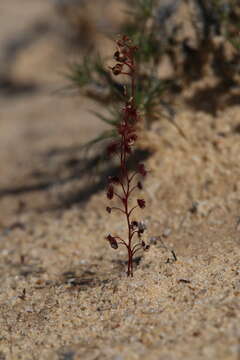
64, 293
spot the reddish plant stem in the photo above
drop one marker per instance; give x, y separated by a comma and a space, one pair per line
122, 148
125, 176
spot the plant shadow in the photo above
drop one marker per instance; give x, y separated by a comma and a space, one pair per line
82, 171
211, 99
81, 278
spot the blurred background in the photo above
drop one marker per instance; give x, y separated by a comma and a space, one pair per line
54, 84
44, 120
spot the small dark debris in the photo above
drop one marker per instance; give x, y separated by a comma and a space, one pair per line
194, 208
174, 255
23, 295
88, 273
69, 274
196, 333
222, 134
13, 226
184, 281
68, 355
30, 270
173, 259
137, 260
236, 129
80, 281
153, 240
22, 259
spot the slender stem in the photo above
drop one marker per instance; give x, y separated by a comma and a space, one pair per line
132, 210
135, 187
136, 246
133, 175
122, 242
133, 232
118, 195
117, 208
127, 127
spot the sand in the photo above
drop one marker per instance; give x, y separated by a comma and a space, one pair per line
64, 292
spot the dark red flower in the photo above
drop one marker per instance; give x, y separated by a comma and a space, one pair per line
112, 148
131, 139
114, 179
134, 224
120, 43
128, 149
110, 192
123, 128
123, 41
118, 56
139, 185
141, 203
108, 209
141, 169
112, 241
117, 69
131, 111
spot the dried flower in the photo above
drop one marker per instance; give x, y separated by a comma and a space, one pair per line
131, 139
142, 226
141, 203
114, 179
112, 148
112, 241
117, 69
141, 169
134, 224
139, 185
110, 192
118, 56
